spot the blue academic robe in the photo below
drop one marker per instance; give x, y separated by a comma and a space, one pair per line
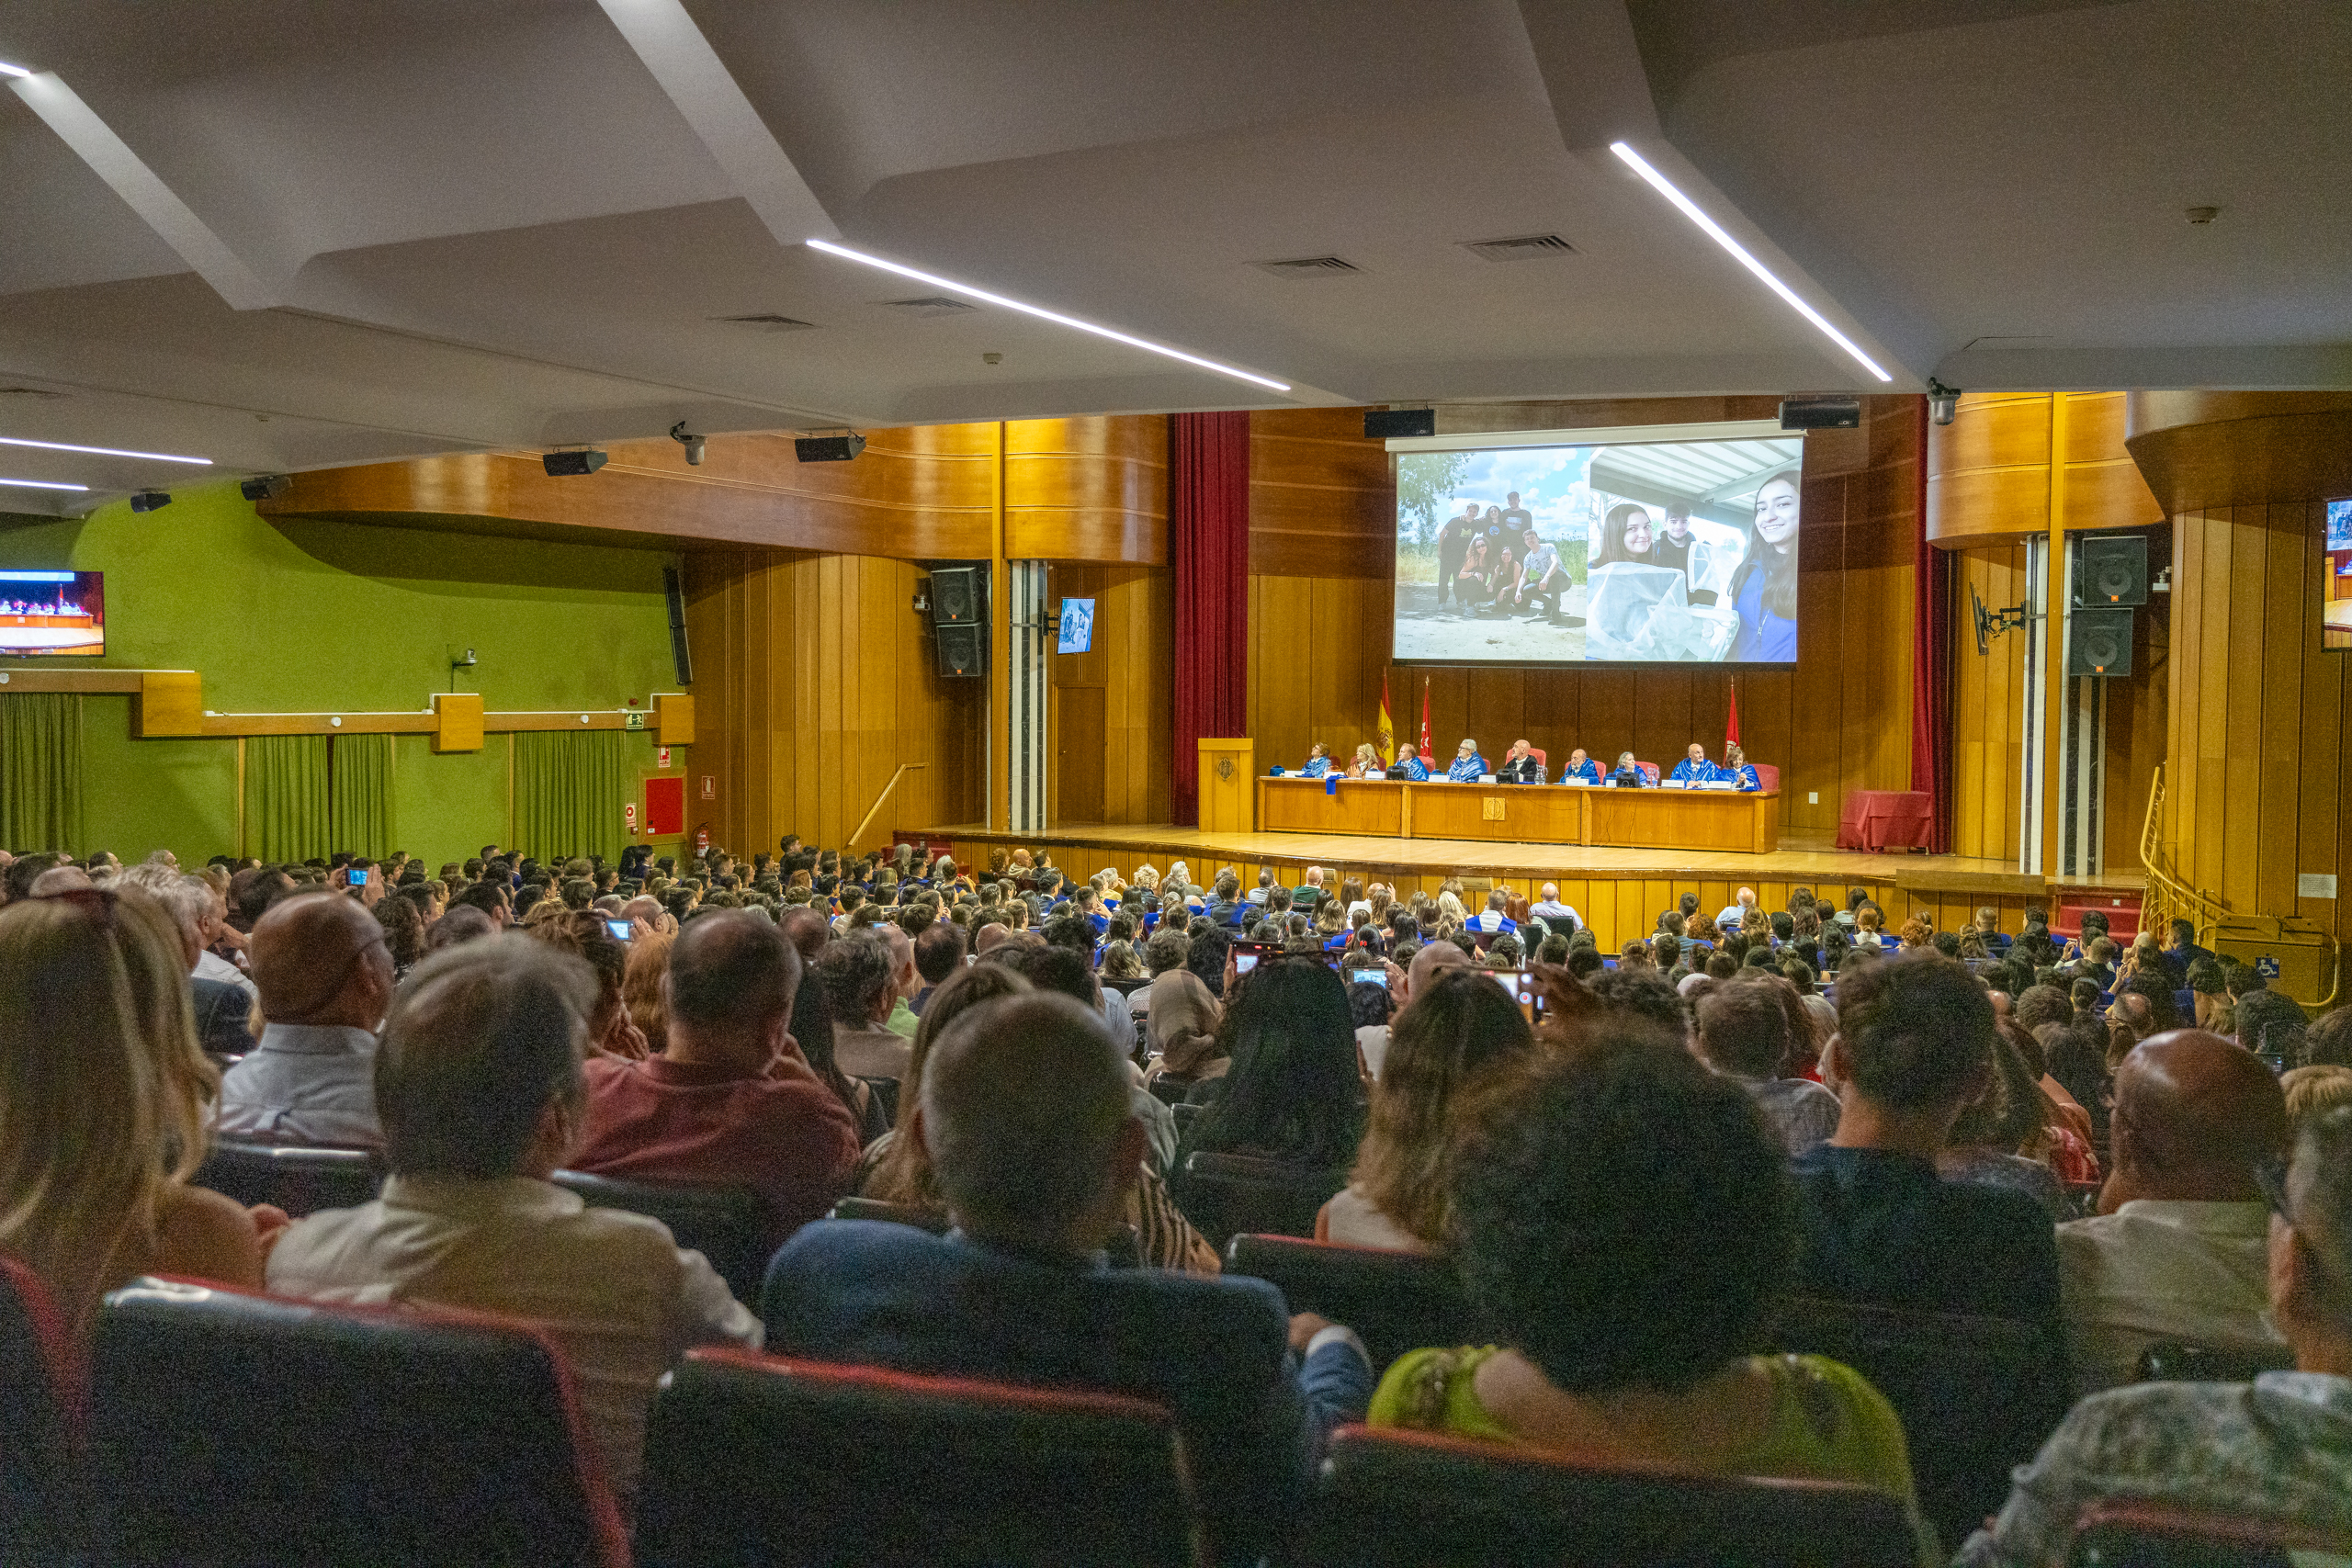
1412, 769
1743, 776
1316, 768
1588, 772
1465, 770
1688, 772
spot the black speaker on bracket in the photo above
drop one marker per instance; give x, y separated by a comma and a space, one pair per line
2109, 571
963, 651
955, 595
2098, 642
1384, 424
672, 591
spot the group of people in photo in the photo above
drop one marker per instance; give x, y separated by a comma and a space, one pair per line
1523, 764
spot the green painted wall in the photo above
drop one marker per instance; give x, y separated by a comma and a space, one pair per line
306, 615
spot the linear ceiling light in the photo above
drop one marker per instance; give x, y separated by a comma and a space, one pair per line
1714, 231
102, 451
40, 484
8, 69
1041, 314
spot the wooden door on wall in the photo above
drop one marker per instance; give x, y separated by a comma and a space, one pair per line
1077, 754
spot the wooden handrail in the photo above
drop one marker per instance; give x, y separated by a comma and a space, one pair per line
2174, 893
864, 821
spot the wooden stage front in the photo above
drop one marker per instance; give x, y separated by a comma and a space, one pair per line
1619, 891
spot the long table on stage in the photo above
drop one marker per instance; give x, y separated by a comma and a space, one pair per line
1553, 814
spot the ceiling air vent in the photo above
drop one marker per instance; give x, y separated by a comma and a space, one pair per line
1526, 247
931, 305
770, 322
1309, 267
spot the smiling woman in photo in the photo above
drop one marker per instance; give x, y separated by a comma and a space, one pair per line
1626, 535
1764, 589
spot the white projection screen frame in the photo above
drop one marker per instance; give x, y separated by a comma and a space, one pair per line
1652, 545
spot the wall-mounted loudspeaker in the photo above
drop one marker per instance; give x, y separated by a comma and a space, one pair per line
2110, 571
1821, 413
1382, 425
675, 591
2098, 642
963, 651
954, 595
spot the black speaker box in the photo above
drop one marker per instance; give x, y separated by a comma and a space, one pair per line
954, 595
1384, 424
963, 651
1821, 413
2110, 571
679, 657
2098, 642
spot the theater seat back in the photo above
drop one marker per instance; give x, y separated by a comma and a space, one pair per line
728, 1225
1395, 1300
1225, 1195
1401, 1499
756, 1460
1767, 775
2134, 1532
1649, 770
935, 1221
298, 1180
231, 1430
43, 1501
1977, 1395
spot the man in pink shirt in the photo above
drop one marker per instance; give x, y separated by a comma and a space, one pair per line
730, 1102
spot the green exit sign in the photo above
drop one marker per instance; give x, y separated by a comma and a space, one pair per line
633, 719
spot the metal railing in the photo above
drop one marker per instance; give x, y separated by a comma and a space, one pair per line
2167, 896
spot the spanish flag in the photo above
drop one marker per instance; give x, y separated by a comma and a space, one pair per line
1388, 729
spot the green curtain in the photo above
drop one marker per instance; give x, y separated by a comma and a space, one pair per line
287, 812
40, 771
361, 789
567, 794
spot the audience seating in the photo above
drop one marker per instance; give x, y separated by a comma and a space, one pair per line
1226, 1195
1977, 1395
1399, 1499
236, 1429
2170, 1360
1185, 1114
1169, 1090
931, 1220
885, 1094
2134, 1532
298, 1180
755, 1460
43, 1504
728, 1225
1395, 1300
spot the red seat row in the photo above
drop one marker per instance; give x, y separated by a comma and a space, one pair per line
225, 1430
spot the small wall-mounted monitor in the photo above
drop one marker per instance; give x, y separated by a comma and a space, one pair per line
2335, 582
1078, 626
48, 612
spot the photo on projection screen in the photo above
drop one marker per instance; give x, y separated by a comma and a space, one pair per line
2335, 587
1661, 552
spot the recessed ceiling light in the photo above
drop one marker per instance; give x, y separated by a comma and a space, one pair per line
8, 69
1043, 314
1716, 232
40, 484
102, 451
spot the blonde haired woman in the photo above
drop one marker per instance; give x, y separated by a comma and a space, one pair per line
103, 1098
1449, 908
1368, 764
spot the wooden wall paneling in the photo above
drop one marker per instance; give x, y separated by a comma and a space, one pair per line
2286, 590
1092, 489
2320, 823
1322, 499
2241, 746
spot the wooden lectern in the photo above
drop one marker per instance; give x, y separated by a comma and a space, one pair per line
1228, 780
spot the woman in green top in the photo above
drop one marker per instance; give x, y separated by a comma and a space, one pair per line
1622, 1217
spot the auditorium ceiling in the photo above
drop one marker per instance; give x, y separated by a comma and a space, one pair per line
288, 234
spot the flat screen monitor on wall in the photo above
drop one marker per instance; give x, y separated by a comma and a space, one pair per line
47, 612
2336, 585
1658, 544
1077, 628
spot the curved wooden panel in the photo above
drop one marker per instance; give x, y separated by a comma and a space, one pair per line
2201, 450
1989, 471
1087, 490
915, 493
1987, 505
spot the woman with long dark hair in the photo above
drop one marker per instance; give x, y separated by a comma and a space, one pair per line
1626, 535
1764, 589
1293, 1094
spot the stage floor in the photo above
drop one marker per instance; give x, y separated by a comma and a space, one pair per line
1801, 859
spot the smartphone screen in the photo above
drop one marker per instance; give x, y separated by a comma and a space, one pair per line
358, 877
620, 929
1375, 976
1243, 962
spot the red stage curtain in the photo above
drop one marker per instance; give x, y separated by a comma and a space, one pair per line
1208, 545
1931, 661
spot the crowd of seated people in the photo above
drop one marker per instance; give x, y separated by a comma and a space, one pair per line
1523, 764
1029, 1069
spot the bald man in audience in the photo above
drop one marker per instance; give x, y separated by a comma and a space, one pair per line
807, 929
2177, 1250
325, 978
989, 935
1372, 1039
